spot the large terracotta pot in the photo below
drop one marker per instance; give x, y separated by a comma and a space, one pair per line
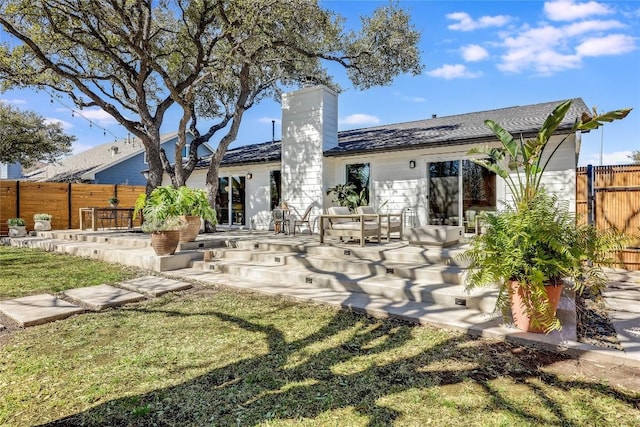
191, 230
521, 318
165, 242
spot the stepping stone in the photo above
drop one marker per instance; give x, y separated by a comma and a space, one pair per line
38, 309
99, 297
154, 285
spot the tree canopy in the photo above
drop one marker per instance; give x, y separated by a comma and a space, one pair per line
26, 137
635, 157
213, 59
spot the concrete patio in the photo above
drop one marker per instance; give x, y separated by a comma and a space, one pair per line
421, 284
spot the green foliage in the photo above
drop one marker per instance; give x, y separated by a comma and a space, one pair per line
113, 200
346, 195
539, 245
15, 222
635, 157
153, 225
524, 158
42, 217
26, 137
166, 204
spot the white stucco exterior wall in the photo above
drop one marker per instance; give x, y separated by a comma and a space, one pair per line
309, 126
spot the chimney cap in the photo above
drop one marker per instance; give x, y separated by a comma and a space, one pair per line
433, 116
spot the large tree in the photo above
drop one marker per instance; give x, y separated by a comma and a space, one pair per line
26, 137
212, 59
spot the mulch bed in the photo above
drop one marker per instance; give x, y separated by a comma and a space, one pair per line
593, 324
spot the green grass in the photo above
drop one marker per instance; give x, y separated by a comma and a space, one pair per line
226, 358
32, 271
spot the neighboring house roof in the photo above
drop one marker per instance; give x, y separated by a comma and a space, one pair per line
84, 166
459, 129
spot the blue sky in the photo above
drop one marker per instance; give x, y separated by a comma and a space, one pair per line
478, 55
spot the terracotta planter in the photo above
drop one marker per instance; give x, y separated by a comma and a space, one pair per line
165, 242
42, 225
521, 318
191, 230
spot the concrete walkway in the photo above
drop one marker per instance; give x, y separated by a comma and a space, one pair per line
44, 308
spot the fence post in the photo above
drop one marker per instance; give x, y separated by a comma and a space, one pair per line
69, 205
17, 198
591, 198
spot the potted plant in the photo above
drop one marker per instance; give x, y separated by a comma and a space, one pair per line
17, 227
165, 234
193, 205
161, 219
113, 201
346, 195
534, 245
42, 222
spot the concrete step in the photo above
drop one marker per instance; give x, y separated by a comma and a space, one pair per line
427, 285
126, 239
398, 252
143, 257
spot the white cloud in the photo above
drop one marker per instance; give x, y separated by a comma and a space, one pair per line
548, 49
456, 71
98, 116
473, 52
613, 44
65, 125
466, 23
614, 158
568, 10
14, 101
269, 120
359, 120
585, 27
417, 99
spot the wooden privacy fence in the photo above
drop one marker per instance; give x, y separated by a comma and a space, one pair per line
609, 197
22, 199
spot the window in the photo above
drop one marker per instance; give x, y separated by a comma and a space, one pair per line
275, 188
358, 175
145, 158
185, 150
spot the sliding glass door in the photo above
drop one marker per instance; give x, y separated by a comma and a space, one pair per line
444, 192
230, 201
458, 191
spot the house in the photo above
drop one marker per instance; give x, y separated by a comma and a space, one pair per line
118, 162
10, 170
420, 168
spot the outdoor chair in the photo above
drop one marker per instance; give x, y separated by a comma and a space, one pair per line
389, 223
340, 222
302, 221
280, 222
108, 217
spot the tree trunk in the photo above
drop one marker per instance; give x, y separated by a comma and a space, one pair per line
152, 147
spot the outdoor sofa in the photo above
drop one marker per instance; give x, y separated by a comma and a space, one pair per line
340, 222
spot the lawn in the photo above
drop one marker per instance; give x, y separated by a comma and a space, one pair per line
32, 271
220, 357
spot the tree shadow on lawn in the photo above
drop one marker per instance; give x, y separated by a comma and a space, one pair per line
290, 384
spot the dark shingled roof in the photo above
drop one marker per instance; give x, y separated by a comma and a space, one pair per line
451, 130
435, 132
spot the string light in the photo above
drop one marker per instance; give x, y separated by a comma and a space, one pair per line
73, 114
